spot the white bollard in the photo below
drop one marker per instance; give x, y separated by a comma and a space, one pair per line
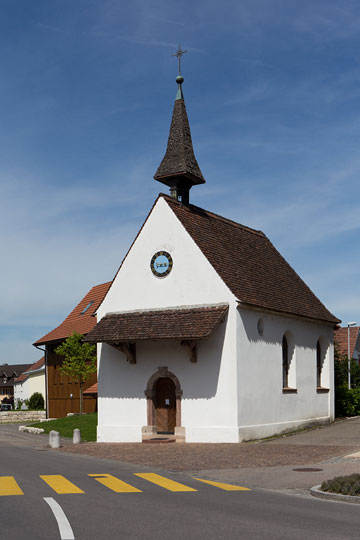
54, 439
76, 436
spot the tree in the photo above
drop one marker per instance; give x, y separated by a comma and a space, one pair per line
79, 360
36, 401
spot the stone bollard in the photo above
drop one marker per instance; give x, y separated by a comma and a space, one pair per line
76, 436
54, 439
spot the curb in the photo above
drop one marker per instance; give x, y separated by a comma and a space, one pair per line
316, 492
30, 429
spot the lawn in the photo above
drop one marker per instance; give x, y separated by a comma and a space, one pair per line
65, 426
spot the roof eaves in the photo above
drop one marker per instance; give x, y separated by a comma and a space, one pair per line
258, 307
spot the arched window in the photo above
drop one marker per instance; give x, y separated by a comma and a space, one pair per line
318, 364
285, 362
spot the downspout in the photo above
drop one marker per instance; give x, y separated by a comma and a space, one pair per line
46, 379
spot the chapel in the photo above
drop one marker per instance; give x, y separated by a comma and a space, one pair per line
206, 332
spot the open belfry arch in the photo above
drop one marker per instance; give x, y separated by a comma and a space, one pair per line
209, 300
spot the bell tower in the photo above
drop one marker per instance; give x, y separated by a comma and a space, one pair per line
179, 169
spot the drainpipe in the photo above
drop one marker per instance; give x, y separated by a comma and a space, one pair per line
46, 379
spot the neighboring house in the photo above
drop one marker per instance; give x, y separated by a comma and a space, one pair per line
341, 340
8, 374
63, 394
206, 331
30, 381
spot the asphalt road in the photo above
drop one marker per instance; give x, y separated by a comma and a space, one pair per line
151, 512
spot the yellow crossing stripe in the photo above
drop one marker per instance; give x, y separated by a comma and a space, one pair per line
226, 487
60, 484
115, 484
171, 485
9, 486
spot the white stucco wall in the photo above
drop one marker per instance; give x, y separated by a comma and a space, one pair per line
234, 391
263, 407
34, 383
209, 410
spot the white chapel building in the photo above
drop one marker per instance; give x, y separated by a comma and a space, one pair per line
206, 331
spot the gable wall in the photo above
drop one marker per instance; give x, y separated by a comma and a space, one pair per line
263, 407
209, 386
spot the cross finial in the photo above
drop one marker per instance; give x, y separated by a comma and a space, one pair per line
179, 54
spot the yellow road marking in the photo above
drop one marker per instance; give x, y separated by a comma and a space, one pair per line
9, 486
226, 487
60, 484
115, 484
171, 485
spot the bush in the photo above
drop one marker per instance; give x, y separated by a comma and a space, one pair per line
347, 402
345, 485
36, 401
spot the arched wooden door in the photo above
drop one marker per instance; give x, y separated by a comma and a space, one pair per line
165, 405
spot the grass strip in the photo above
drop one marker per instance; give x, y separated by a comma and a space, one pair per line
65, 426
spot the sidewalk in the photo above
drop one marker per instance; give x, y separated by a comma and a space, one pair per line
268, 464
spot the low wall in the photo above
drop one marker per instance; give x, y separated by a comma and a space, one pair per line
21, 416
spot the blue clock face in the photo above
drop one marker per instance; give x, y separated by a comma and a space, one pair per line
161, 264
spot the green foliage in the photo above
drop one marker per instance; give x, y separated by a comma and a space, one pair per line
79, 357
65, 426
345, 485
36, 401
79, 360
347, 402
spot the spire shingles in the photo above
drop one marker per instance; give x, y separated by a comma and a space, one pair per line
179, 169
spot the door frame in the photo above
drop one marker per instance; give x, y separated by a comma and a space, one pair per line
162, 372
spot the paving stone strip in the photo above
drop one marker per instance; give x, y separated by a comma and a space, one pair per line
196, 456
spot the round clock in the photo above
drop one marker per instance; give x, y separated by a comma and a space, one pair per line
161, 264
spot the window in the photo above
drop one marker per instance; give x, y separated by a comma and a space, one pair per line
285, 362
87, 307
318, 364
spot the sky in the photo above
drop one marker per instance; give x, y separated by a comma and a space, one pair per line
272, 89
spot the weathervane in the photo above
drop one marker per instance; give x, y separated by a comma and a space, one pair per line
178, 55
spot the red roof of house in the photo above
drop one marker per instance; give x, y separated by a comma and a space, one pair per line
341, 339
81, 318
92, 390
25, 375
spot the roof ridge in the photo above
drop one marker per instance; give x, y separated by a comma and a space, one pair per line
196, 307
214, 215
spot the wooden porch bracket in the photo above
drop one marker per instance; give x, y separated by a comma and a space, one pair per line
191, 347
129, 349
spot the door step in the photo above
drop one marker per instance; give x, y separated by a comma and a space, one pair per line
159, 440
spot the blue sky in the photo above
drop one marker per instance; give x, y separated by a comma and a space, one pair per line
272, 89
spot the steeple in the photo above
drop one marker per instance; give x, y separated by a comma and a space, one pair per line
179, 169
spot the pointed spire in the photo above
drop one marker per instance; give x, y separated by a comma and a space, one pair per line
179, 169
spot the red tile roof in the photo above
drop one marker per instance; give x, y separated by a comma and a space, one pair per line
78, 320
25, 375
341, 339
249, 264
180, 323
92, 390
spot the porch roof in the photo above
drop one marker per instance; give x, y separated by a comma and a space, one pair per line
184, 323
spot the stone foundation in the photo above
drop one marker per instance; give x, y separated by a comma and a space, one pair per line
7, 417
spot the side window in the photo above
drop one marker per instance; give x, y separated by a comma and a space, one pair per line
285, 363
318, 365
288, 363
